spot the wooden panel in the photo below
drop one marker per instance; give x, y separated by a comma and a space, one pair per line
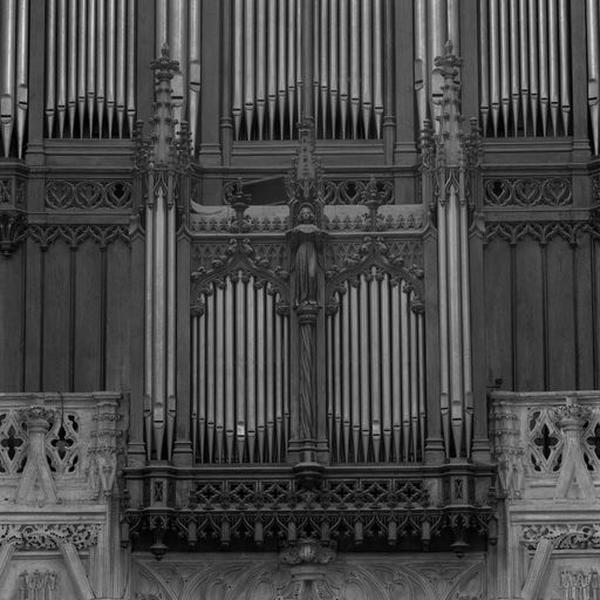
56, 307
34, 290
561, 320
11, 320
497, 297
596, 310
585, 331
88, 298
117, 322
529, 347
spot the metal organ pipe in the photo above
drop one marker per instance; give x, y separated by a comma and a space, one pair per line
525, 66
377, 394
22, 93
593, 61
90, 67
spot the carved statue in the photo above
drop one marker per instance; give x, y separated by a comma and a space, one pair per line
306, 240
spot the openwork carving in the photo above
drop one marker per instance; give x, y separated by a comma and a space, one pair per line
573, 536
358, 191
75, 235
580, 584
13, 230
48, 536
542, 232
13, 444
347, 261
68, 195
12, 191
530, 191
38, 585
62, 444
545, 441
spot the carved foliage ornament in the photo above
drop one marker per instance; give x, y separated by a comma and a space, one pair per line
530, 191
66, 195
563, 536
47, 536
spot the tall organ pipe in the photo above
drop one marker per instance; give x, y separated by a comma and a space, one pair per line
593, 59
22, 90
525, 65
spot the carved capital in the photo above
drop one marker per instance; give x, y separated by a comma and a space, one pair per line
38, 418
307, 551
572, 416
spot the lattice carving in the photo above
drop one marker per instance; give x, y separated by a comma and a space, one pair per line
47, 536
13, 444
541, 232
545, 445
62, 445
86, 195
530, 191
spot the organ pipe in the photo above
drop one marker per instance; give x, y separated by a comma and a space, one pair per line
347, 68
593, 64
90, 68
381, 370
22, 94
525, 66
247, 374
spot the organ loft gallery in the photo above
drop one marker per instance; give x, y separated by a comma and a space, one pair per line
299, 299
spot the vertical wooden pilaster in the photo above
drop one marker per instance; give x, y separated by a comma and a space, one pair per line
145, 54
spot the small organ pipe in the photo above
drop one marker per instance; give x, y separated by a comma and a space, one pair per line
454, 24
212, 316
111, 74
240, 361
365, 416
494, 33
316, 39
278, 388
230, 373
196, 366
171, 318
201, 406
148, 326
533, 62
270, 383
375, 360
366, 76
330, 340
261, 63
346, 383
61, 74
344, 104
354, 64
50, 63
355, 370
299, 59
220, 396
72, 65
515, 81
543, 63
553, 57
378, 66
91, 64
523, 62
22, 83
414, 385
131, 28
405, 352
282, 64
333, 61
178, 18
249, 90
100, 63
162, 24
121, 62
593, 54
422, 413
251, 374
260, 371
286, 385
8, 23
324, 64
565, 96
339, 359
272, 66
194, 74
291, 66
82, 34
396, 371
484, 78
505, 63
237, 67
386, 367
421, 71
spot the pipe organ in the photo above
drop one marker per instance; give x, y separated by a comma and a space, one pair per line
14, 79
347, 68
376, 372
178, 24
593, 66
240, 374
90, 68
525, 66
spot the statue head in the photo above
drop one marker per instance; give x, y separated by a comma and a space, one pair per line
306, 215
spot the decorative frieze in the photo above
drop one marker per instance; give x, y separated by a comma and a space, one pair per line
539, 231
48, 536
564, 536
87, 195
528, 191
75, 235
